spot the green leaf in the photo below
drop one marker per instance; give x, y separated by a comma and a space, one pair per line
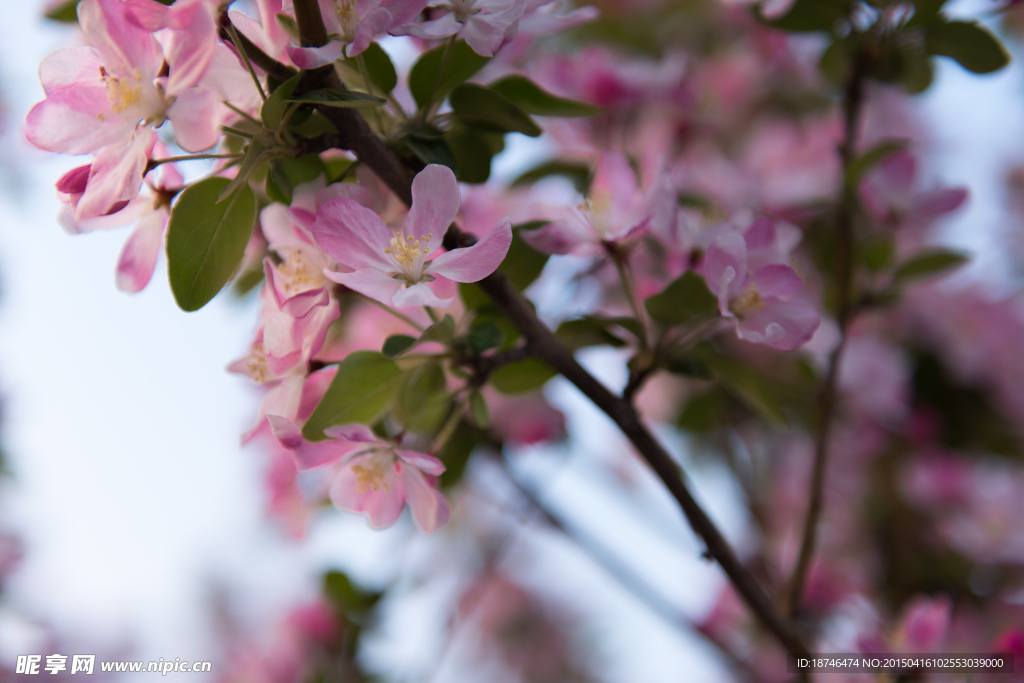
473, 152
577, 334
917, 72
206, 240
362, 389
834, 63
286, 174
812, 15
972, 46
688, 367
929, 264
66, 12
422, 401
462, 64
277, 103
747, 384
378, 67
260, 150
315, 125
704, 412
487, 110
523, 264
517, 378
431, 151
478, 409
871, 158
533, 99
579, 174
484, 336
348, 600
396, 344
339, 97
685, 297
877, 254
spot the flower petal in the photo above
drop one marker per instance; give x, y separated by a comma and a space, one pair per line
138, 257
419, 294
369, 282
353, 235
777, 280
435, 203
781, 324
428, 505
474, 263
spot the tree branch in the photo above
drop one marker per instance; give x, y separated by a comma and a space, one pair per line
356, 136
853, 97
312, 32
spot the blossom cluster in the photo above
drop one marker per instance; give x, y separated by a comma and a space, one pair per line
691, 210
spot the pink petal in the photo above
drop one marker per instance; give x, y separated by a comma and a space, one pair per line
419, 294
121, 44
195, 118
116, 176
559, 237
725, 267
286, 431
938, 202
615, 176
355, 433
777, 280
282, 343
925, 623
474, 263
430, 30
484, 35
149, 15
435, 203
190, 49
781, 324
75, 120
352, 234
383, 506
428, 506
312, 57
74, 181
369, 282
69, 67
138, 256
404, 11
372, 25
422, 461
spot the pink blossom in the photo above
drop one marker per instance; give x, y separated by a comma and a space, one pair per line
761, 297
356, 23
150, 211
487, 25
397, 269
371, 475
923, 625
291, 332
891, 193
615, 210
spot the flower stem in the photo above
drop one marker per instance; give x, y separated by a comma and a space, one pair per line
398, 314
449, 427
245, 58
439, 77
627, 285
153, 163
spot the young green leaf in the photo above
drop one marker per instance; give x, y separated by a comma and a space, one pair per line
871, 158
431, 151
517, 378
339, 97
361, 390
685, 297
812, 15
206, 240
378, 67
483, 336
277, 103
972, 46
286, 173
396, 344
746, 384
478, 409
533, 99
586, 332
929, 264
487, 110
579, 174
463, 62
473, 153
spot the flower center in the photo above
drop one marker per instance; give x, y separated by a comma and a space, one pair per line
596, 209
370, 472
748, 301
408, 253
256, 364
122, 92
346, 13
297, 275
463, 9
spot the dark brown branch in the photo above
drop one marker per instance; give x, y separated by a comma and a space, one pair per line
356, 136
853, 98
483, 366
312, 32
258, 57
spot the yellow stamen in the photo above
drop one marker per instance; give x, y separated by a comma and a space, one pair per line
748, 301
370, 472
121, 91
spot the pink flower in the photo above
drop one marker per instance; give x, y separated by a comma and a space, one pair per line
371, 476
397, 269
356, 23
891, 194
150, 212
761, 298
615, 210
923, 625
487, 25
291, 332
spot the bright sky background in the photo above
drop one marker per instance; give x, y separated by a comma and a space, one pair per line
136, 503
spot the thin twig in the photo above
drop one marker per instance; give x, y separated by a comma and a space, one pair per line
245, 58
153, 163
852, 109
